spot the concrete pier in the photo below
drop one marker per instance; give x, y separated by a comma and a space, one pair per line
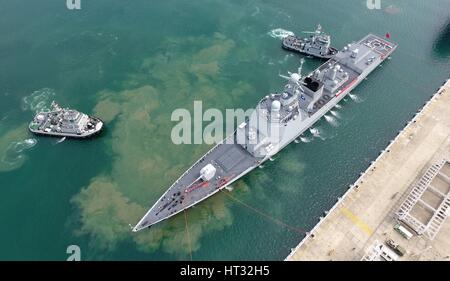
366, 213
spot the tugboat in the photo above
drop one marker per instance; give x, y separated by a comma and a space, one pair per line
317, 45
65, 122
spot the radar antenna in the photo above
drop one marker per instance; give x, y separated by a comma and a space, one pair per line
294, 78
284, 76
318, 30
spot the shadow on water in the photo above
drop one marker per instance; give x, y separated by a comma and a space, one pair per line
441, 46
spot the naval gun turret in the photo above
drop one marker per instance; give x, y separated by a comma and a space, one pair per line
318, 44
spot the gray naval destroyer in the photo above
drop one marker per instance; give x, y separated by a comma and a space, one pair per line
318, 44
278, 119
65, 122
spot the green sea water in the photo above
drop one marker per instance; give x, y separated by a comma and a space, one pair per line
132, 63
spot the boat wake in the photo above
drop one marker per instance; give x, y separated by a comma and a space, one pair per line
20, 146
14, 154
60, 140
355, 98
39, 100
256, 12
305, 139
331, 120
317, 133
280, 33
335, 114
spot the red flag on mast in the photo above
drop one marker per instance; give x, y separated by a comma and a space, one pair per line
388, 35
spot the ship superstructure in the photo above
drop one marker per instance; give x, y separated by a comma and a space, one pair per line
278, 119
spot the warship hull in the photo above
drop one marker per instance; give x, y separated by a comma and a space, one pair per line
233, 160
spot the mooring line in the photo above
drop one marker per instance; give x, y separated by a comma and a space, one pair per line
187, 233
275, 220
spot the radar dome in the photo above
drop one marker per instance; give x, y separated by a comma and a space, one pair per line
295, 77
276, 105
40, 117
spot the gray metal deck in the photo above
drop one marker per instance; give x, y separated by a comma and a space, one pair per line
230, 161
